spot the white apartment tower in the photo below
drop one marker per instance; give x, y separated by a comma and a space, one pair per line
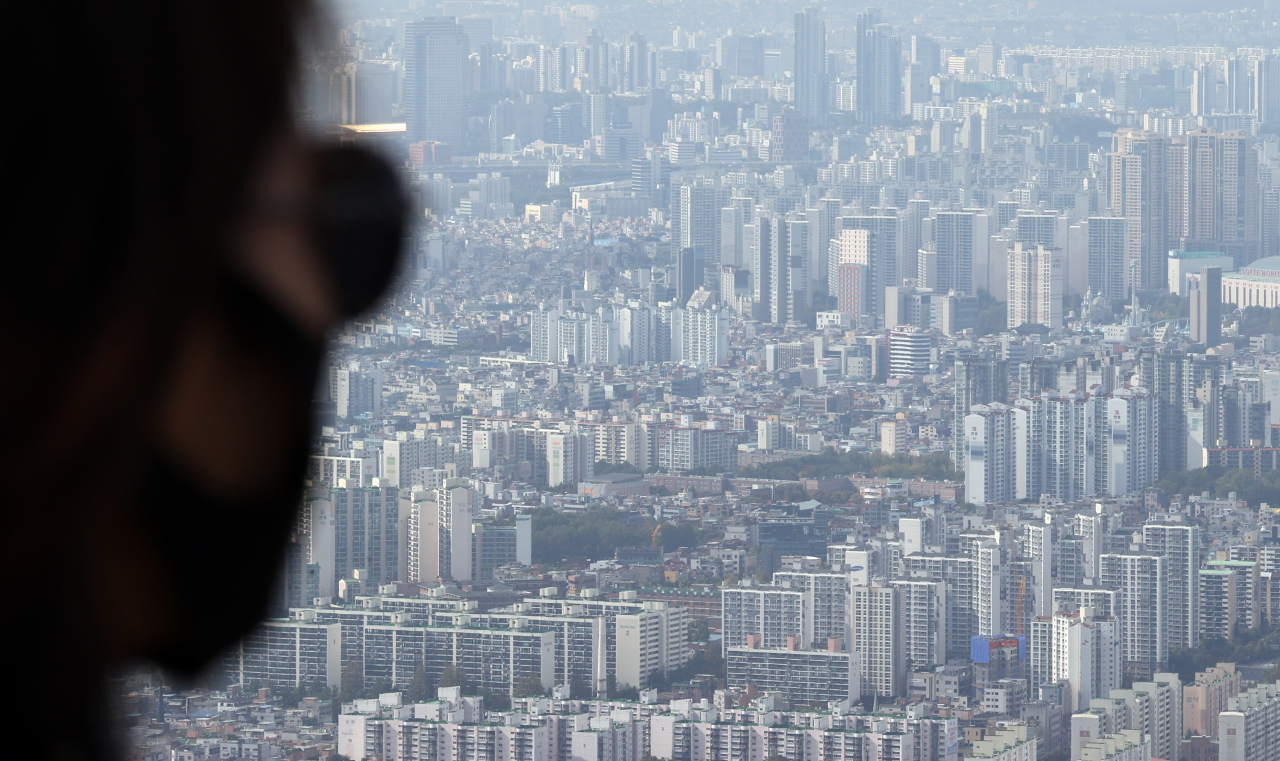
875, 621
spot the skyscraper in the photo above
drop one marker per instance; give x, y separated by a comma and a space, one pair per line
1266, 91
1108, 270
879, 70
1035, 286
875, 613
1179, 544
1142, 580
435, 80
811, 81
1138, 191
1222, 194
635, 63
978, 380
1206, 307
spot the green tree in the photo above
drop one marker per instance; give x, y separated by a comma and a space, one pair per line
419, 690
452, 676
699, 631
529, 686
352, 681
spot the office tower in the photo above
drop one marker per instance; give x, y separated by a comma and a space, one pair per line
989, 454
893, 435
435, 81
592, 64
1108, 265
910, 350
634, 64
1266, 91
1137, 190
926, 52
734, 242
368, 92
882, 260
978, 380
1206, 307
989, 54
689, 267
875, 612
811, 80
1035, 286
1142, 580
439, 534
879, 77
789, 139
1222, 194
956, 236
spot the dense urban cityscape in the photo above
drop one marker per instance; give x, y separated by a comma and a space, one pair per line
779, 382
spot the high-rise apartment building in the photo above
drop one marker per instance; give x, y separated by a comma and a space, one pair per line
435, 80
1126, 426
991, 456
1222, 194
812, 84
1138, 190
1035, 286
879, 55
978, 380
439, 534
1142, 579
875, 617
1107, 258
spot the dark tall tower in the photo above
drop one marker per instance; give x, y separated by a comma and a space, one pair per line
979, 380
811, 80
879, 70
435, 78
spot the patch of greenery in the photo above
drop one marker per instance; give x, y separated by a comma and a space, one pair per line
1258, 320
993, 316
1220, 482
1168, 306
1249, 645
602, 467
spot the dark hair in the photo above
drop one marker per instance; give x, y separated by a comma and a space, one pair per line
133, 130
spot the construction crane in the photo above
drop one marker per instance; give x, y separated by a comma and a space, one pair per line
657, 534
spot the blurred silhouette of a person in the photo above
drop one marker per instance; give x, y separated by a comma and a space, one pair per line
175, 254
